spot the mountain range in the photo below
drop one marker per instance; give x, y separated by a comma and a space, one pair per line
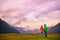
55, 29
7, 28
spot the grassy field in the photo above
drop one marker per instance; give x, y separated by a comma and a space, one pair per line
28, 37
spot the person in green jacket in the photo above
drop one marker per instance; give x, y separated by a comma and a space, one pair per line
45, 30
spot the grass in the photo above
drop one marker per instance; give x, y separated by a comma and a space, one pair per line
28, 37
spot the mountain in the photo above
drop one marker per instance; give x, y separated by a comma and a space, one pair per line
55, 29
33, 31
6, 28
21, 30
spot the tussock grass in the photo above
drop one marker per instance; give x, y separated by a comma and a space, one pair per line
28, 37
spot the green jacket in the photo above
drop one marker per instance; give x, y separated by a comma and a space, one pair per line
45, 27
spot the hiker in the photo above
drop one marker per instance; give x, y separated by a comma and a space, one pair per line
41, 30
45, 30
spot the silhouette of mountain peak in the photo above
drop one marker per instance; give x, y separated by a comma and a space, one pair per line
1, 19
55, 29
58, 24
6, 28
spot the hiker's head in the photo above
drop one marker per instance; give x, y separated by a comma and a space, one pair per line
41, 26
44, 24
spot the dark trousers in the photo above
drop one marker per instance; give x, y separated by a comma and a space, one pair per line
45, 32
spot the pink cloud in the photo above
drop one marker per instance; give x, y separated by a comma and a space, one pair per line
13, 10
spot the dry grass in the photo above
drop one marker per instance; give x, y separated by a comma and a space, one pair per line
28, 37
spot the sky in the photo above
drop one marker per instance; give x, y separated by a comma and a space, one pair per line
30, 13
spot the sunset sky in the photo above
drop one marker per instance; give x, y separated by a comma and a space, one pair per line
30, 13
